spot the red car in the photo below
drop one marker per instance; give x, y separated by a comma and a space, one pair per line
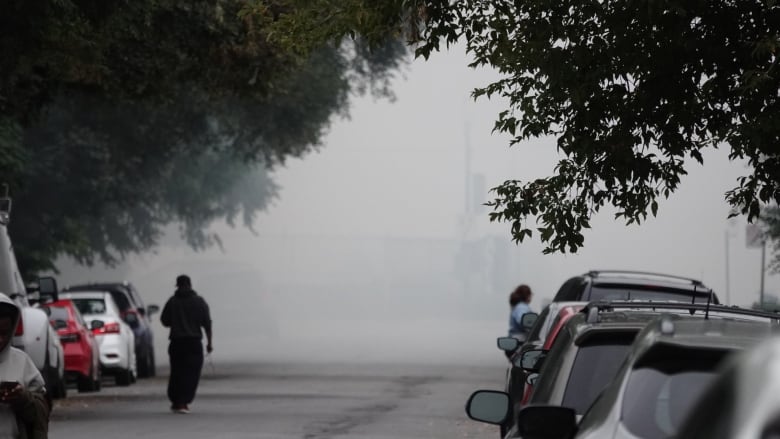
82, 358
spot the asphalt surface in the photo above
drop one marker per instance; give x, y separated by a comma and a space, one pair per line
289, 400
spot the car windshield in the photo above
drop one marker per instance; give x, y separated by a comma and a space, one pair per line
661, 392
90, 306
642, 292
594, 367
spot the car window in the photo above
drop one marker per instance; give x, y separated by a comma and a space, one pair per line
638, 292
540, 326
79, 317
90, 306
662, 391
712, 415
57, 313
594, 368
139, 303
121, 299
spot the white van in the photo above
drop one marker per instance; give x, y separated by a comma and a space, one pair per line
34, 334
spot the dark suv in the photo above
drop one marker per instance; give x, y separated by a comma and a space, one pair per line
633, 285
668, 367
584, 358
136, 315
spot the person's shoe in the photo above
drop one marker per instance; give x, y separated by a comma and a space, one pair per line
181, 409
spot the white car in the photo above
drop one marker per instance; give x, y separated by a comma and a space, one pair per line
115, 337
34, 334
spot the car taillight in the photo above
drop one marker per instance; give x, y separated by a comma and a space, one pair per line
19, 327
69, 338
108, 328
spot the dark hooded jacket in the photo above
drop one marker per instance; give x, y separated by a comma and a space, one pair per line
32, 408
186, 313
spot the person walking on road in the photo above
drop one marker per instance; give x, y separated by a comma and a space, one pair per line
187, 314
24, 408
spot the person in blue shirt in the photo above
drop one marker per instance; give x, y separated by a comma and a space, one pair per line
519, 301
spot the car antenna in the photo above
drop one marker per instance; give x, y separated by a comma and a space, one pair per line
693, 300
707, 309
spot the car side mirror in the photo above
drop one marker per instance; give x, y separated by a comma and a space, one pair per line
490, 406
96, 324
47, 289
508, 344
528, 320
547, 422
531, 360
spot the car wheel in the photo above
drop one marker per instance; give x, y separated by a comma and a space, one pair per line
152, 363
123, 377
60, 390
84, 383
144, 370
55, 387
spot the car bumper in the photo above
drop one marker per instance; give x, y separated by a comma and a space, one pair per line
77, 360
113, 352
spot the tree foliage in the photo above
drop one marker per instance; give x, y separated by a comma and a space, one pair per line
118, 119
632, 91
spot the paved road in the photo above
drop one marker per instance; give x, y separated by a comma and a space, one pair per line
289, 401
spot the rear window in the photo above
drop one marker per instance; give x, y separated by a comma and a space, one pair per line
643, 292
663, 387
121, 299
596, 364
90, 306
57, 313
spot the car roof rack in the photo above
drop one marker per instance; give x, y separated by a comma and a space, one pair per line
592, 309
597, 273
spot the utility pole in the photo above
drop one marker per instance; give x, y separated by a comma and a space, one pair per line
728, 269
763, 272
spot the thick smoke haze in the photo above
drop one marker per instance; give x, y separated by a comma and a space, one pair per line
378, 248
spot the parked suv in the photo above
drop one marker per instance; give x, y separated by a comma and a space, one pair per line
135, 314
34, 334
633, 285
670, 364
542, 334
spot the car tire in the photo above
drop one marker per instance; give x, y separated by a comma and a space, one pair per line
54, 384
152, 363
88, 383
144, 369
123, 377
84, 383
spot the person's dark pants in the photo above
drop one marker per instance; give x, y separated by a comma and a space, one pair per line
186, 357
